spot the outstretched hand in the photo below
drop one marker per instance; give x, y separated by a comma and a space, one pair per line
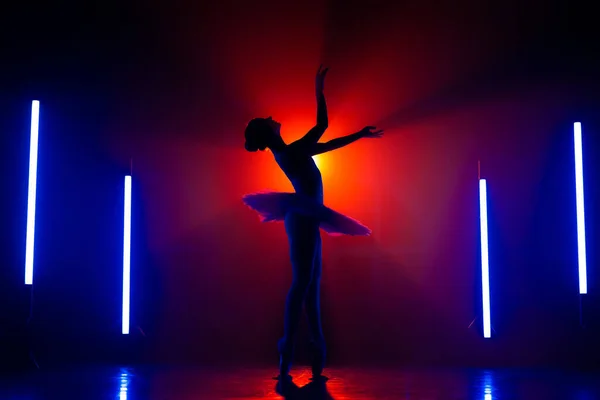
370, 132
320, 79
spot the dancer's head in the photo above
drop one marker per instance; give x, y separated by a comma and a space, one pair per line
261, 133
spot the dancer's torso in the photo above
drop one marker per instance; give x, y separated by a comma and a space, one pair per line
302, 171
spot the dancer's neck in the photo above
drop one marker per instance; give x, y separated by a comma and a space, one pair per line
277, 145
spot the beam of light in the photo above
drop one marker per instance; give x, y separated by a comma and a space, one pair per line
580, 209
485, 267
126, 255
33, 154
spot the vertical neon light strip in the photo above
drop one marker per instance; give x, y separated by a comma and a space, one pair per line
126, 255
485, 266
33, 153
580, 209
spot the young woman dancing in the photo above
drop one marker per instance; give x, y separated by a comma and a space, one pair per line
303, 214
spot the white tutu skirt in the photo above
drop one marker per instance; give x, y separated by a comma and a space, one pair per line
273, 206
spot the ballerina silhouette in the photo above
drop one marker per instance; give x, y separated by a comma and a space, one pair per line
303, 213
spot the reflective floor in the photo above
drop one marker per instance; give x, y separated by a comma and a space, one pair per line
256, 383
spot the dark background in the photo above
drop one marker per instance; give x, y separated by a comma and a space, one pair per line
171, 86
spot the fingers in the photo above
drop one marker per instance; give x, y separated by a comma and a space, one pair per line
372, 134
322, 72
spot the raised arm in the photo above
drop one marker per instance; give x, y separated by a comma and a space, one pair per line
367, 132
317, 131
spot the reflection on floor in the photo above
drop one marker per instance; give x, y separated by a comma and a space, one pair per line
162, 383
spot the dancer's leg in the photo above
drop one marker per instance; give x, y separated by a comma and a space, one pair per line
313, 306
303, 242
313, 311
